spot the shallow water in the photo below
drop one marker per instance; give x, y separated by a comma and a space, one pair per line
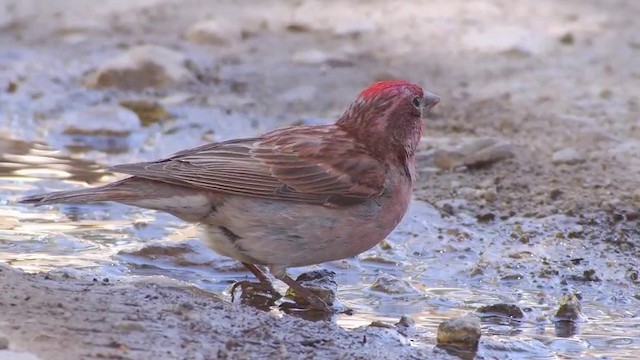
439, 266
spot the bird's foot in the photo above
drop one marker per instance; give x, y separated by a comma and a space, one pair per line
260, 295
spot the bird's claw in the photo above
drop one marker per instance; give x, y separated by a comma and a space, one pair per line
252, 289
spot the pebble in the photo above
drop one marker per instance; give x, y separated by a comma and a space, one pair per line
129, 326
505, 310
321, 282
568, 156
569, 310
149, 112
479, 152
462, 333
101, 120
389, 284
318, 57
4, 341
354, 28
106, 128
636, 197
406, 321
142, 67
213, 32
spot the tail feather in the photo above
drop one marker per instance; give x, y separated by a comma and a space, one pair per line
110, 192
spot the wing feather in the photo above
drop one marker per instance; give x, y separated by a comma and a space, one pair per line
315, 164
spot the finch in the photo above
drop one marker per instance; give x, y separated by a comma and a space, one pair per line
295, 196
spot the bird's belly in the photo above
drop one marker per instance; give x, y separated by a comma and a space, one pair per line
288, 234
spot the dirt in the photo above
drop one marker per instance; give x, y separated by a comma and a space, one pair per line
158, 318
557, 81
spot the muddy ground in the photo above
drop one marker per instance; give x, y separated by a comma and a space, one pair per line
549, 90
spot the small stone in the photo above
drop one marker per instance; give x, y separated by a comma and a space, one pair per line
555, 194
568, 156
317, 57
486, 217
567, 39
298, 28
106, 120
379, 259
142, 67
320, 282
4, 341
12, 87
467, 193
213, 32
149, 112
461, 333
106, 128
129, 326
587, 275
504, 310
489, 195
380, 324
489, 155
473, 153
569, 310
406, 321
606, 94
391, 285
636, 197
354, 28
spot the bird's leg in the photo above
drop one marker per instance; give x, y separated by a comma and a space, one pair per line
303, 292
264, 283
257, 273
314, 301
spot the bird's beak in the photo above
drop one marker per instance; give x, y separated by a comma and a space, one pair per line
429, 100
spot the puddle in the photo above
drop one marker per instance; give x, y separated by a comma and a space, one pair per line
432, 268
437, 266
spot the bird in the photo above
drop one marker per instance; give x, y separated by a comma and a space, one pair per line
295, 196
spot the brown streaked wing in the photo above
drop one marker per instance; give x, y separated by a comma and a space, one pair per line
317, 165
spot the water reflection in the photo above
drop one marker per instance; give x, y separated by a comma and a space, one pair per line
32, 161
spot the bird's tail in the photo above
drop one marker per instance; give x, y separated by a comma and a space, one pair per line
117, 191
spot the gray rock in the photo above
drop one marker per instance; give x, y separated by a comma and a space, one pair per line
392, 285
142, 67
503, 310
636, 197
106, 128
354, 28
320, 282
318, 57
461, 333
569, 310
213, 32
101, 120
568, 156
129, 326
4, 341
476, 152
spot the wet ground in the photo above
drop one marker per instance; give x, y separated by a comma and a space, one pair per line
529, 167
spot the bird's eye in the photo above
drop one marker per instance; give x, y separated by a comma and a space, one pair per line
416, 102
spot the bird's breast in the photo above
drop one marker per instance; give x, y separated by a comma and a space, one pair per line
283, 233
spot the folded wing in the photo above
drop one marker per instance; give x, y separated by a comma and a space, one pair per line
316, 165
